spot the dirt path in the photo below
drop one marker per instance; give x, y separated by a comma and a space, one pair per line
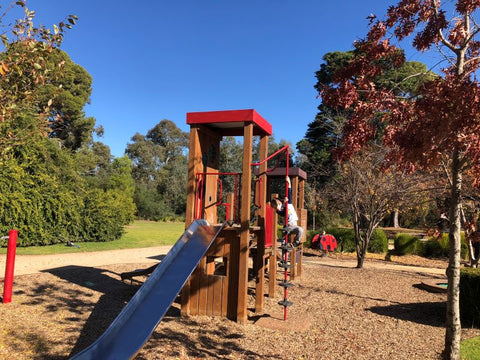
32, 264
372, 264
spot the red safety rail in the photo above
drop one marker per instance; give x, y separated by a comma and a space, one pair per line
283, 149
198, 196
199, 192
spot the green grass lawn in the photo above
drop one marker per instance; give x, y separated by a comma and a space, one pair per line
470, 349
138, 235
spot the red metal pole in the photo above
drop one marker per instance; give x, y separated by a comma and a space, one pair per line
286, 236
11, 250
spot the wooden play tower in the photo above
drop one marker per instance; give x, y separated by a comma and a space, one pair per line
219, 284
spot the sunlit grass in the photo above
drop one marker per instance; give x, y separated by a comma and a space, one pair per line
470, 349
139, 234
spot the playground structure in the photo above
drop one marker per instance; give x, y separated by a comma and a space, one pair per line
219, 285
209, 263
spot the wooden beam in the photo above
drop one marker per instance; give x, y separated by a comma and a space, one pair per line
194, 161
260, 275
301, 194
272, 273
245, 224
295, 192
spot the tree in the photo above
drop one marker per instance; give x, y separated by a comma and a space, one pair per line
23, 70
66, 94
441, 125
159, 170
324, 134
50, 193
370, 193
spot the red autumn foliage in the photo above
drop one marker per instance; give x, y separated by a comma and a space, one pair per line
420, 130
440, 124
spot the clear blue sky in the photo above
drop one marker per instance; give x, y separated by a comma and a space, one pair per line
153, 60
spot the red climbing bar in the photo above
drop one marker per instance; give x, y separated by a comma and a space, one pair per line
285, 148
11, 250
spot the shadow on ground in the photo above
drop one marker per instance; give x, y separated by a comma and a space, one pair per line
115, 295
427, 313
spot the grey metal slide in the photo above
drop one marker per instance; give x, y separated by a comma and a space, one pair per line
139, 318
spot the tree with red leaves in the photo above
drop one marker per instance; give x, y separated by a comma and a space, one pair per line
438, 126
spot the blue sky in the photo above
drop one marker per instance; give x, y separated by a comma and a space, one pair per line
153, 60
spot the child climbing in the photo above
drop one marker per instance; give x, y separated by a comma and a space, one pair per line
292, 218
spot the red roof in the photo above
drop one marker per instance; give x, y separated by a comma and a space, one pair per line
231, 122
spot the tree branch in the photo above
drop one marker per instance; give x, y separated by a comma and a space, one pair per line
440, 33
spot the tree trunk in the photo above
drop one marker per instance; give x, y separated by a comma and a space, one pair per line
360, 259
453, 326
395, 219
358, 236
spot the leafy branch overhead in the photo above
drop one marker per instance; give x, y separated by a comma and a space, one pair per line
25, 65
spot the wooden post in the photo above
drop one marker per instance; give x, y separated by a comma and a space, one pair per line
260, 268
301, 194
295, 192
293, 263
231, 206
272, 271
245, 224
194, 166
300, 260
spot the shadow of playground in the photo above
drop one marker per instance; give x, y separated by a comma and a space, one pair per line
115, 295
426, 313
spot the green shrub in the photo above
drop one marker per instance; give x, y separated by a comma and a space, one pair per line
406, 244
433, 248
48, 202
440, 247
309, 237
378, 242
469, 295
345, 238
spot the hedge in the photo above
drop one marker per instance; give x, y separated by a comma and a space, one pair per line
378, 242
469, 295
406, 244
434, 247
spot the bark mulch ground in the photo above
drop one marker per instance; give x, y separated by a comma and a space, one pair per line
338, 312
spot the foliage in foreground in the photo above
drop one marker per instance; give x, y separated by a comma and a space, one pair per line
56, 184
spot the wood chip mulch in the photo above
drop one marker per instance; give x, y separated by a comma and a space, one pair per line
338, 312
